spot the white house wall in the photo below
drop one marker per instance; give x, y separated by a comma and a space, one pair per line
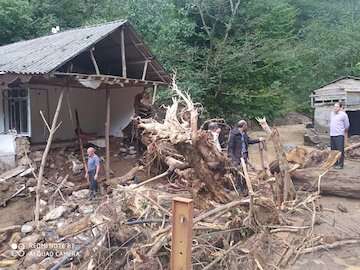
90, 105
2, 128
122, 108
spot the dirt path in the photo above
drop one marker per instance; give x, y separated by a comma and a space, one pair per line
334, 224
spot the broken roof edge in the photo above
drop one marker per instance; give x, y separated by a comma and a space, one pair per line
67, 30
336, 80
158, 68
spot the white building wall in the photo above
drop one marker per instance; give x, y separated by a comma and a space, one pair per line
91, 106
122, 108
2, 128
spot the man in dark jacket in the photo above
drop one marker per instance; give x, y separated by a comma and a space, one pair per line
239, 142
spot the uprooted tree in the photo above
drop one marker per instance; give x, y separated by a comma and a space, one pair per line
180, 148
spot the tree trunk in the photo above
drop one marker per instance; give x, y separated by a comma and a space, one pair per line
335, 182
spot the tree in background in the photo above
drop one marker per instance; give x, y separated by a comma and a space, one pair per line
239, 58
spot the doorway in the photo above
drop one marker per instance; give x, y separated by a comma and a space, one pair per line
354, 119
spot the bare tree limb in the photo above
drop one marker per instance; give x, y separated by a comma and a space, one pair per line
43, 159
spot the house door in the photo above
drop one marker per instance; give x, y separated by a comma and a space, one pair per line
17, 110
39, 102
354, 119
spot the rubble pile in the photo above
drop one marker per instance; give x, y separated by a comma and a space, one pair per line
128, 226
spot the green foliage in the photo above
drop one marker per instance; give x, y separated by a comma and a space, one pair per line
15, 17
257, 58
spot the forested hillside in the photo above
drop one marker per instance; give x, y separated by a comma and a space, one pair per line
236, 57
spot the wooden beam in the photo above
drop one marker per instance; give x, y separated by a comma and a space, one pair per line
123, 58
104, 77
94, 61
146, 57
107, 135
154, 94
145, 69
181, 244
142, 61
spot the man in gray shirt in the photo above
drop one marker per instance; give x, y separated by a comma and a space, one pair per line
339, 126
93, 168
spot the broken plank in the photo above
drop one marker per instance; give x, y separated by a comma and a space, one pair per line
12, 173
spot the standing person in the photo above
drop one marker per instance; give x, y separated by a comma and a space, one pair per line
239, 143
93, 168
339, 126
215, 132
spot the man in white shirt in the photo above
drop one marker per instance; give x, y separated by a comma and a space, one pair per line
215, 132
339, 126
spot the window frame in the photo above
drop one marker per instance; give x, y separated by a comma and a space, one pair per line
8, 113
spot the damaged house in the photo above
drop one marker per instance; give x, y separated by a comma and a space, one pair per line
345, 90
99, 69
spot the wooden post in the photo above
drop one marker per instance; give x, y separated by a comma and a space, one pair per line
123, 59
284, 179
251, 192
81, 146
107, 135
43, 159
264, 158
181, 244
94, 61
154, 94
145, 70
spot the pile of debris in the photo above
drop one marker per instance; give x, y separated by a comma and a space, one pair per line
129, 226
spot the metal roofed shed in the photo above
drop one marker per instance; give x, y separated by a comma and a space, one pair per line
97, 68
345, 90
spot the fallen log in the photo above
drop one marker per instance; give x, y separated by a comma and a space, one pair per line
126, 177
340, 183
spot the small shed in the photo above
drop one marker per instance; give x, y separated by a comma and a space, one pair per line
98, 69
345, 90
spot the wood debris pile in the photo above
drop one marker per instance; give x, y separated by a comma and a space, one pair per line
129, 227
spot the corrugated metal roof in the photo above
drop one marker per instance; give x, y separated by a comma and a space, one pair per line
45, 54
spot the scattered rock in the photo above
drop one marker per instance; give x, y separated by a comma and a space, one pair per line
4, 186
132, 152
27, 228
342, 208
29, 242
36, 156
86, 209
50, 235
55, 213
123, 150
311, 138
34, 256
52, 166
60, 223
75, 227
81, 194
77, 166
131, 148
31, 182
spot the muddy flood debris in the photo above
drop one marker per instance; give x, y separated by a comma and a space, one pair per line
128, 225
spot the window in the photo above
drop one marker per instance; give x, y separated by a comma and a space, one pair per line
16, 103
